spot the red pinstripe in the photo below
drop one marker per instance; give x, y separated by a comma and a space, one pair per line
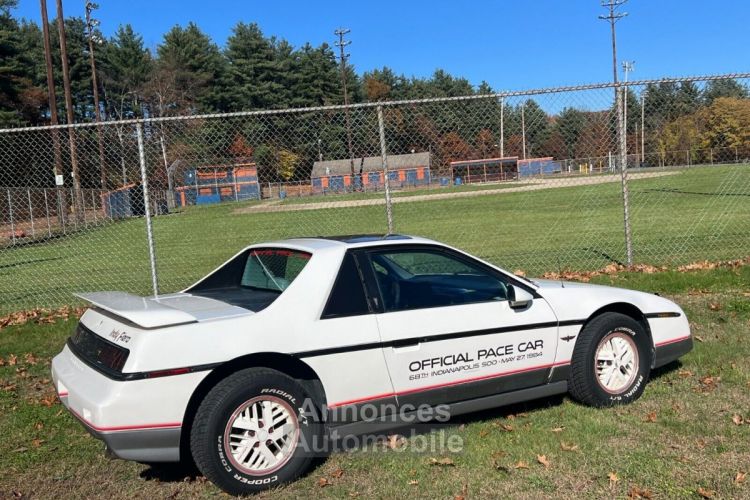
171, 425
446, 384
672, 341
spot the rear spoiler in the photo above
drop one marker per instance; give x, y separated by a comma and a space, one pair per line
143, 311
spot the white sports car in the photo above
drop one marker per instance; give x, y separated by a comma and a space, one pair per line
291, 342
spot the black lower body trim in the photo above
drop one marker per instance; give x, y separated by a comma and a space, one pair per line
666, 353
454, 409
475, 389
560, 373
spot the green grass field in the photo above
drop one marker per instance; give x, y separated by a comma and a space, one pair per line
688, 215
688, 433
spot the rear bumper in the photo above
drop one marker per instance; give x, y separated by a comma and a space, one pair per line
137, 420
669, 351
146, 445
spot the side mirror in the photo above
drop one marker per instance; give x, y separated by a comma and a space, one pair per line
518, 298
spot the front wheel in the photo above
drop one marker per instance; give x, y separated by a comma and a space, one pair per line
251, 432
611, 361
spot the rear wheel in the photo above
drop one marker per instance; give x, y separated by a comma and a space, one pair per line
611, 361
251, 433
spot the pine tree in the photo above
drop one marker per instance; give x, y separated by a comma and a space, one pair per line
126, 65
189, 73
255, 71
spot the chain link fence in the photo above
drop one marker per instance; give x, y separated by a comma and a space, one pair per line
535, 180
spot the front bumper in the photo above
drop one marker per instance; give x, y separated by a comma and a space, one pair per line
137, 420
670, 351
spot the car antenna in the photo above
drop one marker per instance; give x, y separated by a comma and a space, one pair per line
559, 271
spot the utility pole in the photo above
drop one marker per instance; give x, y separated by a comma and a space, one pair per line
51, 99
91, 24
341, 44
612, 17
69, 111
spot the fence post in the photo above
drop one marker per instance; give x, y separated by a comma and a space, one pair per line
386, 177
147, 209
12, 224
624, 175
31, 212
46, 211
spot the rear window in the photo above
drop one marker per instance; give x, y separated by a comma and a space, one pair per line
253, 279
273, 269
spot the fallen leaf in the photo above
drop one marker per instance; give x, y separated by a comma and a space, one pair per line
506, 427
558, 429
698, 338
519, 272
38, 426
337, 473
612, 479
323, 482
12, 360
737, 419
740, 477
413, 482
636, 492
484, 433
521, 465
30, 359
705, 493
685, 373
542, 459
714, 306
48, 400
650, 417
37, 442
568, 447
444, 461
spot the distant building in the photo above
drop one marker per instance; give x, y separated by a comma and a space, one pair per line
501, 169
215, 184
403, 170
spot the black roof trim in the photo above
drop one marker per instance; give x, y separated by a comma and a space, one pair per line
364, 238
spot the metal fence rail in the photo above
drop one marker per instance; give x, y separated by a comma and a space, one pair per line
537, 180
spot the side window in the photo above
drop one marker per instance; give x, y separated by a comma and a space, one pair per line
416, 279
347, 296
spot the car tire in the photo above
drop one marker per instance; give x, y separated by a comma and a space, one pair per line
611, 361
233, 440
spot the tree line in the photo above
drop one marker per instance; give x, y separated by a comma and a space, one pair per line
189, 73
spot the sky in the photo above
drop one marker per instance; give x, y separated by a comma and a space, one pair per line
512, 45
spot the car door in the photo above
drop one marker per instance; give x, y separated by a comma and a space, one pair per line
350, 360
449, 331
